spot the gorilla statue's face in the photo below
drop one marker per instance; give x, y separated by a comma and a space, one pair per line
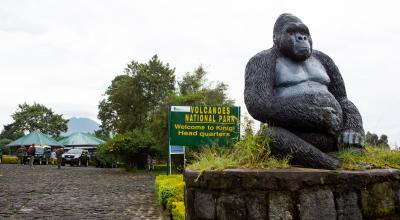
293, 38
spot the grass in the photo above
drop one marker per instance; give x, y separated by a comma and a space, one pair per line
213, 159
372, 157
253, 151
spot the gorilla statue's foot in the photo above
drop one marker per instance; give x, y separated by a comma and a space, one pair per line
303, 153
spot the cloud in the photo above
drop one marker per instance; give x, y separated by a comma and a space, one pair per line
15, 23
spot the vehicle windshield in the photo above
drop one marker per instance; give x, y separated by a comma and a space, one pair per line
39, 150
74, 151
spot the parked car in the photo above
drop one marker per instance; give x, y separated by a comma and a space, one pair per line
42, 155
77, 157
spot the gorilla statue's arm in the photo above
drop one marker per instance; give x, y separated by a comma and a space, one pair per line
263, 105
258, 91
352, 121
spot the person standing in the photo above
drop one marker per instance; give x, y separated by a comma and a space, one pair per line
20, 154
149, 162
53, 157
59, 153
31, 154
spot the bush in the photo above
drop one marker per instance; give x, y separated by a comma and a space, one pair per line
178, 211
130, 148
3, 143
7, 159
160, 167
170, 190
105, 157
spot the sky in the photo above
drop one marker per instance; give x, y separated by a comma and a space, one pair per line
64, 53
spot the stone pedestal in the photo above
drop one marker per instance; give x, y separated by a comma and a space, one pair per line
294, 193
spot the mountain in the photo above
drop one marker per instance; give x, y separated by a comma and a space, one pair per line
81, 125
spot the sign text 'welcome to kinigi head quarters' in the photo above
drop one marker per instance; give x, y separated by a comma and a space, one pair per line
204, 125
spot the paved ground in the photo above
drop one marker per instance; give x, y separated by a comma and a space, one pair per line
46, 192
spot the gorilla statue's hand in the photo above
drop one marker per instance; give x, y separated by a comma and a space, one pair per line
350, 138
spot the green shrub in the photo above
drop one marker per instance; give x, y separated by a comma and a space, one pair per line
130, 148
169, 190
178, 211
7, 159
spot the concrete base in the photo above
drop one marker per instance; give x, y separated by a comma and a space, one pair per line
294, 193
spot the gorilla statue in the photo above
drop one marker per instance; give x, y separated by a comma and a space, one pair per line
300, 93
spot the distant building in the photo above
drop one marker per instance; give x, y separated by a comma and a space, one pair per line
35, 137
81, 140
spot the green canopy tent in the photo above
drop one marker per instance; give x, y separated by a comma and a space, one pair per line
81, 140
35, 137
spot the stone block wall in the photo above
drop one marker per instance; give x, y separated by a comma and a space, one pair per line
294, 193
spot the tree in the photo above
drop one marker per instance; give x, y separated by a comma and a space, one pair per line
193, 89
29, 118
11, 132
102, 134
383, 140
131, 148
136, 106
133, 96
3, 143
192, 82
371, 138
374, 140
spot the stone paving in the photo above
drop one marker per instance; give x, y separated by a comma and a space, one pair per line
46, 192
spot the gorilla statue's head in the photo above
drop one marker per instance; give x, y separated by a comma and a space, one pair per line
292, 38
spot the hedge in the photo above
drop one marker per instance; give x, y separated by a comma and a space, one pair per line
178, 211
170, 190
7, 159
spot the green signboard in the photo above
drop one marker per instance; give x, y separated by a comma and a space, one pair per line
204, 125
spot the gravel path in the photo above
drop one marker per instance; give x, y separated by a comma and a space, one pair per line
46, 192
